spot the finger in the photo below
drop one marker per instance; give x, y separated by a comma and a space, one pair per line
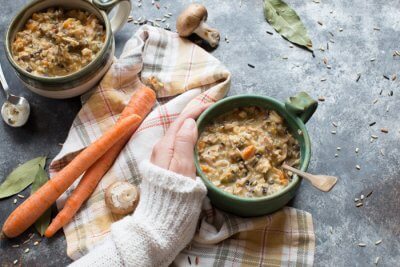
182, 161
164, 149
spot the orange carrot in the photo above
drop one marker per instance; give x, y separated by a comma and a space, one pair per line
141, 103
30, 210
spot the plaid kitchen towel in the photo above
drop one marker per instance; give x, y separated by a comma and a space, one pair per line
183, 75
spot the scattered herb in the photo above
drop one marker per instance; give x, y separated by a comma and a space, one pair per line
286, 22
358, 77
43, 222
21, 177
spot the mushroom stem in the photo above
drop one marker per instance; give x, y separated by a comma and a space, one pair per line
207, 33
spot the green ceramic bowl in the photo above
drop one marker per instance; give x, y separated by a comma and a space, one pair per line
76, 83
296, 111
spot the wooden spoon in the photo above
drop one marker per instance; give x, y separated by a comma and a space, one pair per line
322, 182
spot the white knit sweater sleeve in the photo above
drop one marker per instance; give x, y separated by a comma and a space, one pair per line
161, 226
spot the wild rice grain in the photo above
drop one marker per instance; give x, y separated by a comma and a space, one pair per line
384, 130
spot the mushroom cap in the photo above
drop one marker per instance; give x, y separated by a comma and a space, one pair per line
190, 19
121, 197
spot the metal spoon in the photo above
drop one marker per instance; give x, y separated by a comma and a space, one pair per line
322, 182
15, 110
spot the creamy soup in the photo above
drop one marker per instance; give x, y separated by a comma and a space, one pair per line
58, 42
242, 151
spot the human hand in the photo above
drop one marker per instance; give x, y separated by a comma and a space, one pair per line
174, 151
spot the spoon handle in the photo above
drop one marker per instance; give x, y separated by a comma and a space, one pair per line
4, 82
298, 172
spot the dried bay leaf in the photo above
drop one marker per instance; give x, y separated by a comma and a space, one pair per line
21, 177
43, 222
286, 22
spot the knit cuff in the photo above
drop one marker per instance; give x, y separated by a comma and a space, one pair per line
165, 219
169, 180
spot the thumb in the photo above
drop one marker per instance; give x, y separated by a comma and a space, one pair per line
183, 160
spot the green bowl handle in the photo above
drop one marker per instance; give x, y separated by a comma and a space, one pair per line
121, 15
302, 105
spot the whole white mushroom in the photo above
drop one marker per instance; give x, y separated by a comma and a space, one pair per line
121, 197
192, 20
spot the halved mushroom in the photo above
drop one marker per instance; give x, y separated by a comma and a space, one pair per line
121, 197
192, 20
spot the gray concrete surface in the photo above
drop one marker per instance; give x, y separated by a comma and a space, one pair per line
339, 225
